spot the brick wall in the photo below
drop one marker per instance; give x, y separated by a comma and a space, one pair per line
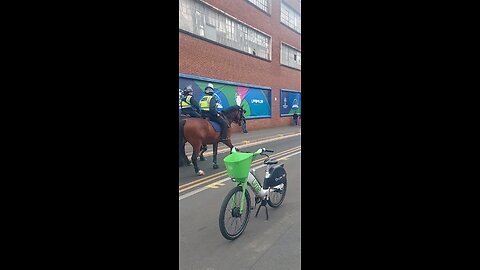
203, 58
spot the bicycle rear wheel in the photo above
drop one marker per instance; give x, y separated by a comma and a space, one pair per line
231, 222
277, 194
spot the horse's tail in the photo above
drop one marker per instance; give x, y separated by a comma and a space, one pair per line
181, 134
181, 142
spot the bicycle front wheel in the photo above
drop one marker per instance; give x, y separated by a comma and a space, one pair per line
232, 223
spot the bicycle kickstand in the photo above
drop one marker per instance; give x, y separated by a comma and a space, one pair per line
264, 203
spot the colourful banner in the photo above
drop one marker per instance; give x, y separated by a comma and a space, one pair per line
290, 102
255, 101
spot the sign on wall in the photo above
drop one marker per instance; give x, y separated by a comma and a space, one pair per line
255, 100
290, 102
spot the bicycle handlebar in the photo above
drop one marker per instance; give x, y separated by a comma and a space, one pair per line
259, 151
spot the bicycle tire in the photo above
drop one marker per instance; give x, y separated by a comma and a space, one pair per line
282, 196
223, 211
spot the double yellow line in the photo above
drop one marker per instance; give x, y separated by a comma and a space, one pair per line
218, 175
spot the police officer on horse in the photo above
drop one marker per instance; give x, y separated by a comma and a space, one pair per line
208, 106
189, 105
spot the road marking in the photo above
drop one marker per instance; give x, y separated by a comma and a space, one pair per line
191, 193
224, 149
204, 180
224, 172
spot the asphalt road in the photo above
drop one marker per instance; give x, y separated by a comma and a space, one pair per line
265, 244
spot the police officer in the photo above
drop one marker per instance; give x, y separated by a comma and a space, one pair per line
189, 105
208, 106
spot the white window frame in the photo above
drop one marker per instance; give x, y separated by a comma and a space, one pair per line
239, 36
293, 18
269, 5
298, 56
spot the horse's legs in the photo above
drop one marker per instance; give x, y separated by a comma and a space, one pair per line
202, 150
183, 160
228, 143
187, 162
215, 147
196, 150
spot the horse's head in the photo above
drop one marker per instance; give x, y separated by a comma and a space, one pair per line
234, 114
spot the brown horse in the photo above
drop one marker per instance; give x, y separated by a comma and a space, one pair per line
198, 132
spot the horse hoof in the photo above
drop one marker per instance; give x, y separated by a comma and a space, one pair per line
189, 164
215, 166
200, 172
202, 159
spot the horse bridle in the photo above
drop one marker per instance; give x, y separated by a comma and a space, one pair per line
237, 120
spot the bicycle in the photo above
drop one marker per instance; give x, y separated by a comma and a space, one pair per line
272, 192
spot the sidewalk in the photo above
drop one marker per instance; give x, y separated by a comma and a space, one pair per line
262, 134
239, 138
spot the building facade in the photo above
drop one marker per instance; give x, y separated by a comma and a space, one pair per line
250, 50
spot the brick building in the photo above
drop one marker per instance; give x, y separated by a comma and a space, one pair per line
244, 44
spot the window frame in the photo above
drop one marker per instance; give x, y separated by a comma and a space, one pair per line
288, 20
243, 35
269, 7
297, 56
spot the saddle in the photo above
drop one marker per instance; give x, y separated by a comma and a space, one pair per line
216, 126
182, 116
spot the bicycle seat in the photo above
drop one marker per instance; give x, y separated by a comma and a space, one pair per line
270, 161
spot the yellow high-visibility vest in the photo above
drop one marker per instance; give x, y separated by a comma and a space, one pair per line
205, 102
187, 103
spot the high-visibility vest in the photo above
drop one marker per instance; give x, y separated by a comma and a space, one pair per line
186, 103
205, 102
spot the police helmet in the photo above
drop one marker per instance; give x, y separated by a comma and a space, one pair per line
187, 90
209, 89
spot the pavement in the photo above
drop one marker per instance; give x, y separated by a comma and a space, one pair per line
240, 139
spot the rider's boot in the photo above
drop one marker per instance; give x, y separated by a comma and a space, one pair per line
223, 136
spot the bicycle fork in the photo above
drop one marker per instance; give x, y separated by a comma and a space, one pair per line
242, 204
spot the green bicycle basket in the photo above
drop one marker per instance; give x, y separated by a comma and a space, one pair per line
238, 164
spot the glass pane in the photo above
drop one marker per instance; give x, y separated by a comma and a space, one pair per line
199, 19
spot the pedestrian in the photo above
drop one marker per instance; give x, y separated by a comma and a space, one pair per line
244, 124
295, 118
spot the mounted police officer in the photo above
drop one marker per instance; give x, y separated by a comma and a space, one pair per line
208, 106
189, 105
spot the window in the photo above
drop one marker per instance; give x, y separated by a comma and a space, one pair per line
200, 19
262, 4
290, 18
290, 57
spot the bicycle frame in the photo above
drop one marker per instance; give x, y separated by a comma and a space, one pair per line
255, 186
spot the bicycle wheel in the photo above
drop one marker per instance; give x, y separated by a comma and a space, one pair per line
277, 194
232, 223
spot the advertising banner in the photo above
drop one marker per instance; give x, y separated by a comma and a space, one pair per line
290, 102
255, 100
